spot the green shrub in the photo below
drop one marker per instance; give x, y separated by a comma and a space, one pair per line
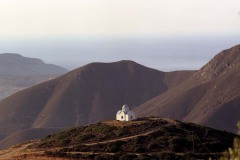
99, 128
157, 133
55, 153
190, 157
108, 129
64, 142
214, 146
153, 146
139, 139
114, 147
48, 153
168, 156
102, 137
88, 156
175, 148
122, 132
105, 157
99, 157
81, 148
128, 157
98, 147
180, 141
173, 129
144, 157
77, 156
47, 137
85, 137
139, 150
65, 150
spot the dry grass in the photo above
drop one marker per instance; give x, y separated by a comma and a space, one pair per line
122, 123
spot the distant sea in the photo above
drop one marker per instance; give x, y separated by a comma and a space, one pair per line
162, 53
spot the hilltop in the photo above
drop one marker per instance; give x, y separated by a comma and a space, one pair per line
145, 138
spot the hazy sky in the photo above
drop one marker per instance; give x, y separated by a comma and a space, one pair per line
82, 31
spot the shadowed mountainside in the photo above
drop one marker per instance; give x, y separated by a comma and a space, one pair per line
210, 97
86, 95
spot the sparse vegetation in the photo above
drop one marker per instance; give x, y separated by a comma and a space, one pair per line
128, 157
114, 146
105, 157
152, 139
234, 152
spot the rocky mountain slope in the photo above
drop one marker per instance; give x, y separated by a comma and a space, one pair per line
86, 95
146, 138
210, 97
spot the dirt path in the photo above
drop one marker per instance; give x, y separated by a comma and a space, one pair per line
14, 151
21, 150
171, 122
121, 139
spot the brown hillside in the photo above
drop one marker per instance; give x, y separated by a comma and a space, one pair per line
86, 95
10, 84
209, 97
26, 135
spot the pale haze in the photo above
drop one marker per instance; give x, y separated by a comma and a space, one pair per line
163, 34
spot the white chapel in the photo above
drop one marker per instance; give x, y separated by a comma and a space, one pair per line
125, 114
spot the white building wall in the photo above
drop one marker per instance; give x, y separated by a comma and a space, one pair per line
131, 116
127, 117
123, 116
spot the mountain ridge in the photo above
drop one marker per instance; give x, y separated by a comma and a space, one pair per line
95, 92
209, 89
85, 95
16, 64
